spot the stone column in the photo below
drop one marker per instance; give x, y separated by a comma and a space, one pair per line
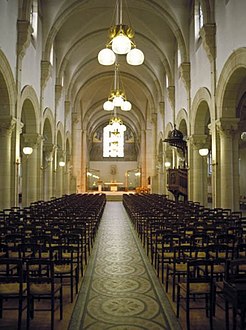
48, 160
30, 163
83, 166
143, 151
16, 173
199, 170
60, 174
7, 125
227, 128
236, 171
67, 175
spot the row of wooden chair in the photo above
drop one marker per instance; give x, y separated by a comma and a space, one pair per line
36, 283
44, 249
189, 243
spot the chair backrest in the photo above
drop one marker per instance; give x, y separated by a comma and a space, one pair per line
170, 241
241, 251
200, 271
235, 270
40, 271
27, 251
218, 252
11, 271
4, 251
200, 239
65, 254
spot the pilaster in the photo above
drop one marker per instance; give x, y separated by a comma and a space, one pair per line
227, 128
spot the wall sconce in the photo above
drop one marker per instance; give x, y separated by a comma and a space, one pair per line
62, 163
203, 152
27, 150
243, 136
167, 165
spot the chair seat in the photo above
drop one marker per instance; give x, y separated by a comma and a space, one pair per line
197, 288
43, 288
178, 267
64, 269
11, 289
221, 255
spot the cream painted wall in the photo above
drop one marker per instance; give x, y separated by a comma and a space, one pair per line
30, 73
49, 95
231, 29
9, 14
200, 69
181, 96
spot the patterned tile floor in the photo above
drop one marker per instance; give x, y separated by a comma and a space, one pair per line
120, 290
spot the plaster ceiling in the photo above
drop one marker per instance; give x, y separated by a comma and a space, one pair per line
78, 31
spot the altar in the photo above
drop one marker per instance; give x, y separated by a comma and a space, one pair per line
113, 185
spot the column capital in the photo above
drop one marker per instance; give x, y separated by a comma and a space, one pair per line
49, 147
227, 126
7, 124
32, 139
198, 140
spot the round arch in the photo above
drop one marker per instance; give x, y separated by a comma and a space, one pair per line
7, 87
231, 78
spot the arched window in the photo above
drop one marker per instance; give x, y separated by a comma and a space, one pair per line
113, 138
34, 18
178, 58
198, 18
52, 55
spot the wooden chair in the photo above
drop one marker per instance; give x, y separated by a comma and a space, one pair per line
41, 286
235, 291
177, 269
12, 286
197, 286
66, 266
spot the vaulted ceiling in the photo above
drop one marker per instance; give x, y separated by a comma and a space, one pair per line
78, 30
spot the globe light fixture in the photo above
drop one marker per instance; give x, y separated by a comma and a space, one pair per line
27, 150
117, 96
203, 152
243, 136
120, 41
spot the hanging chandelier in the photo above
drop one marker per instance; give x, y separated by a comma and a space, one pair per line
120, 41
117, 96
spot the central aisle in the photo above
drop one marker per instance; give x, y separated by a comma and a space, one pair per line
120, 289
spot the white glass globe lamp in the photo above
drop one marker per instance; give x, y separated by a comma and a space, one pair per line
126, 106
203, 152
118, 101
135, 57
121, 44
106, 57
108, 106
